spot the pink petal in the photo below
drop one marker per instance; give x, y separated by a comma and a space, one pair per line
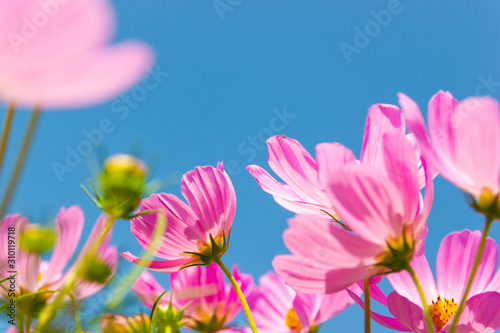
443, 163
28, 264
69, 226
183, 227
292, 163
361, 194
407, 313
211, 196
403, 283
331, 156
284, 194
313, 278
481, 314
147, 289
476, 129
385, 321
455, 259
167, 266
441, 115
381, 119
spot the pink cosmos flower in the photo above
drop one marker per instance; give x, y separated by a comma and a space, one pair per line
453, 265
55, 54
277, 308
210, 301
196, 233
306, 188
37, 274
463, 142
384, 212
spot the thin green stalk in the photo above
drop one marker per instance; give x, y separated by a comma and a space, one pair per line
19, 162
28, 322
366, 287
243, 301
479, 254
5, 132
49, 311
427, 314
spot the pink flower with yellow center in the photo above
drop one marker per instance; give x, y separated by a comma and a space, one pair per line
55, 54
453, 265
277, 308
463, 143
211, 303
306, 180
36, 274
385, 217
196, 233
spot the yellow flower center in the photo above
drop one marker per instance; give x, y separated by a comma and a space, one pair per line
292, 320
442, 310
39, 277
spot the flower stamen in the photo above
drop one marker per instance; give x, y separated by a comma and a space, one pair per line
442, 310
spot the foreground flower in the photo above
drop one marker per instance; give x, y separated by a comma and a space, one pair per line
386, 217
39, 275
453, 265
463, 143
277, 308
54, 54
126, 324
196, 234
211, 305
306, 188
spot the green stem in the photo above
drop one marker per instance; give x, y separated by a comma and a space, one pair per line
5, 132
28, 322
366, 287
427, 314
243, 301
49, 311
477, 260
19, 162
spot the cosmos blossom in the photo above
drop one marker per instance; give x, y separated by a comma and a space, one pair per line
37, 274
463, 141
196, 233
385, 217
306, 180
453, 265
277, 308
211, 303
55, 54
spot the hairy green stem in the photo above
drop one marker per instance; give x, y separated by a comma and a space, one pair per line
5, 133
427, 314
477, 260
243, 301
366, 287
21, 157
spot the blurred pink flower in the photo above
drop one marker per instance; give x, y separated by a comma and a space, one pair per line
453, 265
37, 274
306, 188
55, 54
210, 301
196, 233
464, 140
277, 308
386, 219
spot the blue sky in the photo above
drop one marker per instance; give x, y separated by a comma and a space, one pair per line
231, 73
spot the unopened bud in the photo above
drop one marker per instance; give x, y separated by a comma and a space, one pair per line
97, 271
122, 184
167, 319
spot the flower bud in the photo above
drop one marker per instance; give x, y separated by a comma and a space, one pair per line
166, 319
122, 184
126, 324
36, 238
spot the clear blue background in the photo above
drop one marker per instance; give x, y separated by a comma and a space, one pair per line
226, 76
